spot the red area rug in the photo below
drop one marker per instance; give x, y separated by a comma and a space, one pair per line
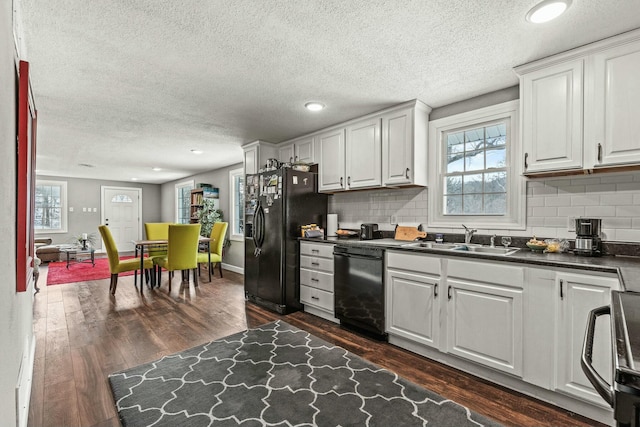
80, 271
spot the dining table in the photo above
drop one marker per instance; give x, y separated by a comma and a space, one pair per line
144, 245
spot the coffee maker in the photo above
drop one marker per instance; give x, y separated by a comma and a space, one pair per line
588, 241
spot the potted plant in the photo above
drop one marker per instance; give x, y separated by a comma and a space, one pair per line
207, 216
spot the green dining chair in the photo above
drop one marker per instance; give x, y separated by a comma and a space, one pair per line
182, 252
218, 232
117, 265
157, 231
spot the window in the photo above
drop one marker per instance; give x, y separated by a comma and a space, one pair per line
50, 213
183, 202
236, 196
476, 179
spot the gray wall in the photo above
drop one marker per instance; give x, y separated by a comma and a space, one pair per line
86, 193
234, 255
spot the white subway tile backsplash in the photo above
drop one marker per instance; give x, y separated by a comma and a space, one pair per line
545, 211
586, 200
601, 188
557, 201
599, 211
615, 198
628, 211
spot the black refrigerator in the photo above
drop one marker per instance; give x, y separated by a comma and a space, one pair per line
277, 204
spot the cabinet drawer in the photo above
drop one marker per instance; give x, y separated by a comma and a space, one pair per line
316, 249
316, 297
316, 263
489, 272
414, 262
316, 279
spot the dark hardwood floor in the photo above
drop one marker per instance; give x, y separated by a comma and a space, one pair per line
83, 334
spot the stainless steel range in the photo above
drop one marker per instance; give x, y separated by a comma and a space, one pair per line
624, 393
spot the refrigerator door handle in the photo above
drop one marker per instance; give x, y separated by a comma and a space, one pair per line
256, 230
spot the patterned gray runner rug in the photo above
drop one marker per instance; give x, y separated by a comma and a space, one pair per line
277, 375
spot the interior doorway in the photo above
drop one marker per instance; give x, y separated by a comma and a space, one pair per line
121, 209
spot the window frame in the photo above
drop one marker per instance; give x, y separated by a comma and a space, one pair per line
233, 203
178, 187
515, 216
64, 226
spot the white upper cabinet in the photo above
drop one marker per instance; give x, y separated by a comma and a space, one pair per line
552, 117
387, 148
286, 153
580, 108
256, 154
363, 154
300, 150
616, 105
331, 160
404, 146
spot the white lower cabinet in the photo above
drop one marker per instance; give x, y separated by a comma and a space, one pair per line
412, 307
412, 297
316, 279
484, 313
578, 294
518, 325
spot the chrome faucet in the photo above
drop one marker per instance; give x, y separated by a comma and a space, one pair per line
493, 240
468, 233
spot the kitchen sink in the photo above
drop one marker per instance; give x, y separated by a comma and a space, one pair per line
432, 245
487, 250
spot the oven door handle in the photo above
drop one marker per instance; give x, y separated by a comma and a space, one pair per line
603, 388
367, 257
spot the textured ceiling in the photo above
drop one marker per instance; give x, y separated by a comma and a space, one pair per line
127, 85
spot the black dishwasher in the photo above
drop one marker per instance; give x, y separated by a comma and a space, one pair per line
359, 288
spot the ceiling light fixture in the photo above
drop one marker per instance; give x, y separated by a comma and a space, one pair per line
134, 179
156, 169
314, 106
196, 151
547, 10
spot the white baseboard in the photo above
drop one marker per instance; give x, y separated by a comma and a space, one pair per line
233, 268
23, 387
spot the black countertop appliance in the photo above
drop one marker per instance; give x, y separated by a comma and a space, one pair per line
624, 393
368, 231
588, 242
277, 204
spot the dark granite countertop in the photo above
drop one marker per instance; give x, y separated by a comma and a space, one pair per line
627, 267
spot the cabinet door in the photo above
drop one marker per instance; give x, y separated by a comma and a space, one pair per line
484, 324
552, 126
616, 109
578, 296
304, 150
397, 148
412, 307
331, 161
364, 150
251, 160
286, 154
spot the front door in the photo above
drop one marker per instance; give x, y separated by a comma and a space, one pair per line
121, 212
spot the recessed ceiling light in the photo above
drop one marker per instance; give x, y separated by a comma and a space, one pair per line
134, 179
196, 151
314, 106
156, 169
547, 10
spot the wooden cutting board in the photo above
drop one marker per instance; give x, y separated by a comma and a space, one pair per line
409, 233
